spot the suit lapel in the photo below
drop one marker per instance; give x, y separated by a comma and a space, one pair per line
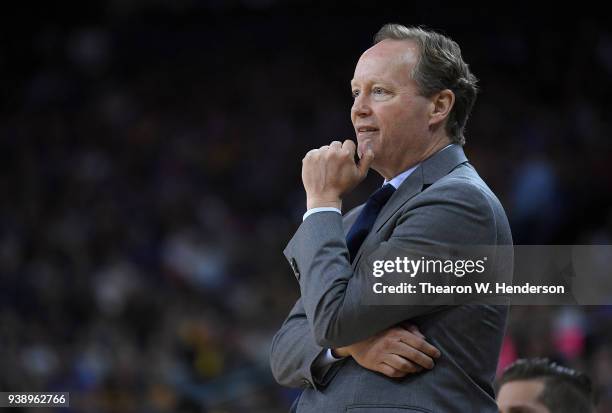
430, 170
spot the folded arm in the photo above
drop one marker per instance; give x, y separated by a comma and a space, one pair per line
297, 361
294, 351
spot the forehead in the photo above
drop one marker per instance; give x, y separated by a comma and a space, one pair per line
391, 60
523, 393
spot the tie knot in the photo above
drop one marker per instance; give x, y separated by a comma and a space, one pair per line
382, 195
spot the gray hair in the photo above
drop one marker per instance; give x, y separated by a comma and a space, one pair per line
440, 66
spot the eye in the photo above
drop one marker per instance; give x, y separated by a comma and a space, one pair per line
379, 91
355, 93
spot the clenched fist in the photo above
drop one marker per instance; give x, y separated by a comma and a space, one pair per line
330, 172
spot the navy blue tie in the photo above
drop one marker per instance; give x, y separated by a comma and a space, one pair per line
367, 216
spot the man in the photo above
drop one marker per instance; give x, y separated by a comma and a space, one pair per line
412, 96
541, 386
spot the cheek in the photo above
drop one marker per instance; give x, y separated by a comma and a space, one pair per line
388, 117
413, 121
394, 120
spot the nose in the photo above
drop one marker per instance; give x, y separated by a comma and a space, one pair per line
361, 108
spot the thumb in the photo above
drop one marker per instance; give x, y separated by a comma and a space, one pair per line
366, 161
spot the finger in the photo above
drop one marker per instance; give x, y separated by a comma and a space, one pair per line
350, 146
310, 153
324, 147
335, 145
412, 354
419, 343
389, 371
366, 160
413, 329
401, 364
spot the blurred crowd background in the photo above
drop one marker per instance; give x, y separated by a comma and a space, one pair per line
150, 178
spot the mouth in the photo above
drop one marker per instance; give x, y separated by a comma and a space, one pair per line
364, 129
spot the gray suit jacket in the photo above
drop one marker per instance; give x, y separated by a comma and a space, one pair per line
443, 202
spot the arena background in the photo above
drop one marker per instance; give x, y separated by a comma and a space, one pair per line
151, 178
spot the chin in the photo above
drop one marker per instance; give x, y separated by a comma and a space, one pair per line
363, 145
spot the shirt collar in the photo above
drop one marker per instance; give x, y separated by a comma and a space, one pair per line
397, 181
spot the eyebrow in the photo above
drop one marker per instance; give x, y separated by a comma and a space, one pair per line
374, 80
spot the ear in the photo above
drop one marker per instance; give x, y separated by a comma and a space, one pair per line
441, 105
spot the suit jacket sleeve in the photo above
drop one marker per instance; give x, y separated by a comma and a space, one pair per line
453, 212
294, 351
